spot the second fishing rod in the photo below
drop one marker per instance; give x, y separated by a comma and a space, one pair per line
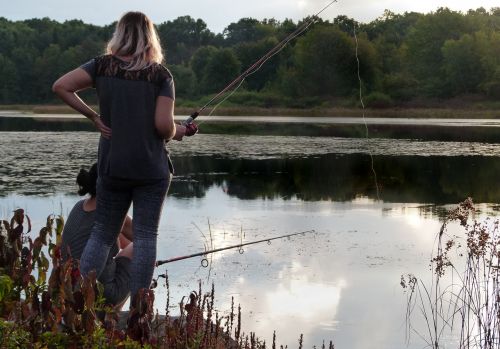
238, 246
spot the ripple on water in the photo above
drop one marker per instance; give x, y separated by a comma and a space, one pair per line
45, 163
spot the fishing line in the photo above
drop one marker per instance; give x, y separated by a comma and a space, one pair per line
257, 65
256, 69
363, 109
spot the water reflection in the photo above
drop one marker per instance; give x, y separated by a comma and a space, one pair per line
340, 284
308, 169
336, 177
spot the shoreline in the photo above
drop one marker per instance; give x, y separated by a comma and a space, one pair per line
461, 130
418, 113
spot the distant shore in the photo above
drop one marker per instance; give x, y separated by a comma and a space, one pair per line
425, 113
346, 123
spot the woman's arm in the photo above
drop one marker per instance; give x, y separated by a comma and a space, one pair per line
66, 88
164, 117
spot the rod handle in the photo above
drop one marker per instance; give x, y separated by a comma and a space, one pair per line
191, 118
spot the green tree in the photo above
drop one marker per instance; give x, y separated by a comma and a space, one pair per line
462, 62
9, 89
250, 52
200, 60
324, 64
185, 81
246, 30
222, 67
182, 37
47, 69
424, 43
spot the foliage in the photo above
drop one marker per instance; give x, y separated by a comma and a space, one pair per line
406, 56
469, 305
378, 100
68, 310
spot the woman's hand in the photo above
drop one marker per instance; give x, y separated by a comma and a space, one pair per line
191, 129
99, 125
180, 132
185, 130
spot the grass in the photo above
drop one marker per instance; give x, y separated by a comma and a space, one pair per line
66, 310
468, 306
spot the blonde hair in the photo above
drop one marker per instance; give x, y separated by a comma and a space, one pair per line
135, 35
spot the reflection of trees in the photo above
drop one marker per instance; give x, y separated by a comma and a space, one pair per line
342, 178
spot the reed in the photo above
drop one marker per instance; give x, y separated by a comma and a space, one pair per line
465, 304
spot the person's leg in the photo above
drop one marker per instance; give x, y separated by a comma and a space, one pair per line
112, 206
117, 290
148, 202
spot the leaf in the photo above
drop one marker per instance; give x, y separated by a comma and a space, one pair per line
79, 303
37, 247
88, 290
6, 224
44, 262
18, 217
67, 283
70, 318
88, 320
50, 225
29, 224
35, 303
6, 285
59, 229
54, 280
43, 235
15, 233
25, 257
46, 302
58, 314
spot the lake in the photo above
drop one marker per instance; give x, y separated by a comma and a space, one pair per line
375, 204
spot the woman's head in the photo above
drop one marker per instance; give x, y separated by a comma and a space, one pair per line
87, 181
135, 36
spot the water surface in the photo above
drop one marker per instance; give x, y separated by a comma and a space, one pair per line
341, 283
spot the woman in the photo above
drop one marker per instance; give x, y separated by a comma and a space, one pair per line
116, 273
136, 101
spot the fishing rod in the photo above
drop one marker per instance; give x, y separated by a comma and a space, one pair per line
236, 83
239, 246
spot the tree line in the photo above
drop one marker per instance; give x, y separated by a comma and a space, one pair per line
402, 58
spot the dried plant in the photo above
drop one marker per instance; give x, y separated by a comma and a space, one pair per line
467, 307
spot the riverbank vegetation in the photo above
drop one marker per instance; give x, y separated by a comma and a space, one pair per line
411, 60
460, 306
472, 111
46, 303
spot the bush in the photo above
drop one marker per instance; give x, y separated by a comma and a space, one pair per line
256, 99
399, 86
492, 89
378, 100
67, 310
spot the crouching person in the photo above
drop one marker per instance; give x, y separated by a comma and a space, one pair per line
116, 275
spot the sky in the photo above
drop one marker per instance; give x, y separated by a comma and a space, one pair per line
220, 13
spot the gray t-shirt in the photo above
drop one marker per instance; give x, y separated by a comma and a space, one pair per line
75, 235
127, 103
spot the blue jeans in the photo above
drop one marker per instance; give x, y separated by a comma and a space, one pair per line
114, 197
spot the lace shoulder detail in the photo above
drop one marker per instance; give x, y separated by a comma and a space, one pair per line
110, 66
164, 73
